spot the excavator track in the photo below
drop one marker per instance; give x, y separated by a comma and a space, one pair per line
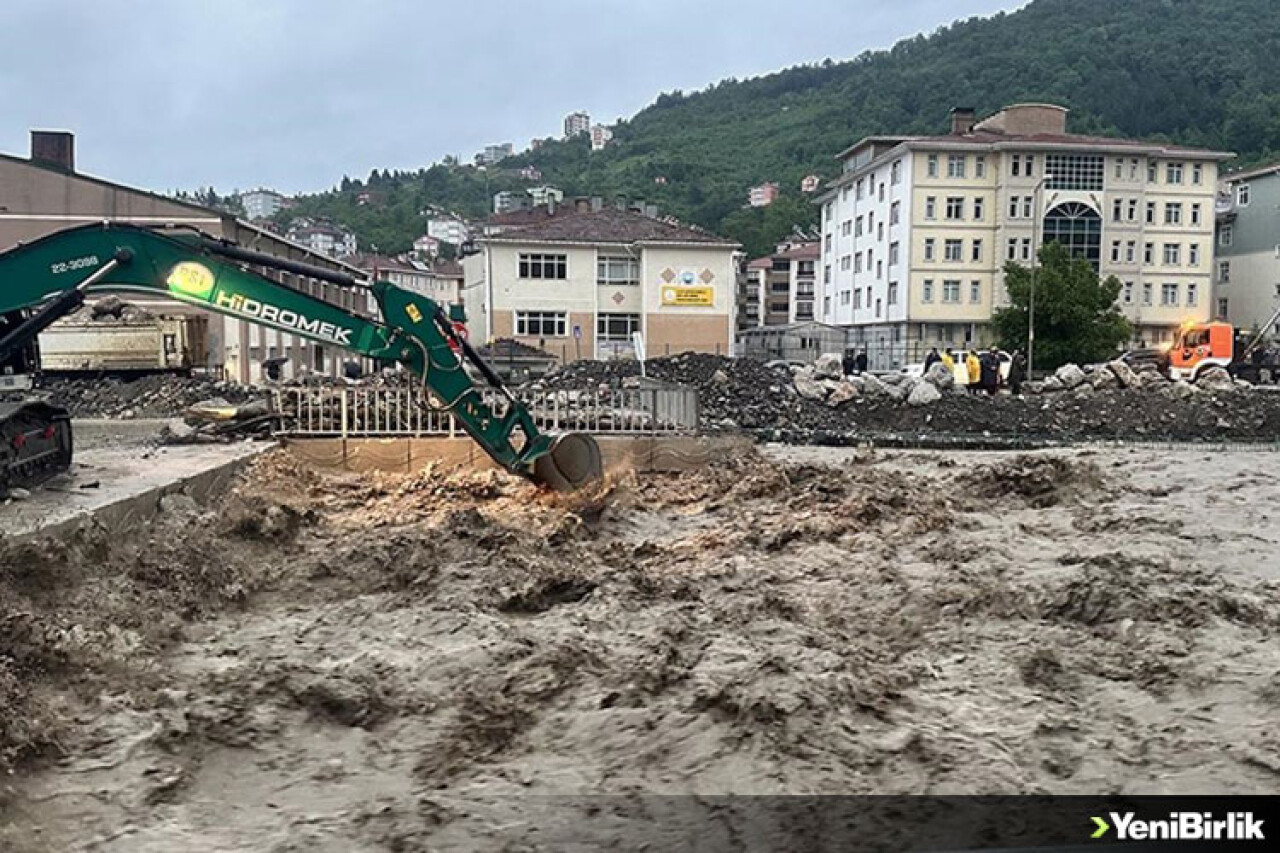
35, 444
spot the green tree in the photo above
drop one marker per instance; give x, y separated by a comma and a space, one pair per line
1077, 318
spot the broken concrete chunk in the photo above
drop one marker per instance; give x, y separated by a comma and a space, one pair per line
923, 394
1070, 375
828, 366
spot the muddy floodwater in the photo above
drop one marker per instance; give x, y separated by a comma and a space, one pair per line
392, 663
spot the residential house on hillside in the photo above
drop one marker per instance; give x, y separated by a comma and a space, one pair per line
762, 195
1247, 274
440, 280
324, 237
917, 229
600, 136
262, 204
45, 193
579, 280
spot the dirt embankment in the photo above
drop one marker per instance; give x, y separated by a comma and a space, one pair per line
396, 663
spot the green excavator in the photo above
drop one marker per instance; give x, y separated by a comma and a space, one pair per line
50, 277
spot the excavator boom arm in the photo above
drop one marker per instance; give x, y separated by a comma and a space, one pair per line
54, 274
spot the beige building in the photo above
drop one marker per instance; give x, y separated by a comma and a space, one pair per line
578, 282
439, 279
916, 230
778, 289
45, 193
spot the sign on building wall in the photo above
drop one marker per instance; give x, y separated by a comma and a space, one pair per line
675, 294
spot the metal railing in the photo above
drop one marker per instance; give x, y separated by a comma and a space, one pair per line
332, 411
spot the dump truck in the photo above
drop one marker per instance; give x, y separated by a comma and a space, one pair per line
125, 346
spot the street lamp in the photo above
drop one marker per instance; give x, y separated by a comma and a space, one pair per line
1035, 255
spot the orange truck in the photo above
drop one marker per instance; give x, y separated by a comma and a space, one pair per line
1198, 346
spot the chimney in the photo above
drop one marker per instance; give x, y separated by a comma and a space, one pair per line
551, 205
55, 148
597, 204
962, 119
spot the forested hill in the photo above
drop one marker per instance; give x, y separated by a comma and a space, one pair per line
1202, 72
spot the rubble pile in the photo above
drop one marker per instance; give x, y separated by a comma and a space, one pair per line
149, 397
110, 309
819, 403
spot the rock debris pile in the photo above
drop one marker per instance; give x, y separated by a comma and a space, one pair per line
147, 397
820, 403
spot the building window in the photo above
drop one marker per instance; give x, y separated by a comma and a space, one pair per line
1172, 253
857, 227
893, 253
975, 292
1031, 165
976, 254
1074, 172
1115, 251
980, 166
1242, 195
861, 188
542, 266
895, 172
1027, 202
826, 307
1026, 248
845, 262
1012, 254
1119, 168
1015, 165
895, 213
1149, 254
878, 308
978, 209
928, 249
1013, 207
846, 228
930, 207
1173, 213
893, 293
1133, 169
932, 167
1192, 295
826, 244
926, 290
542, 324
1195, 214
1168, 294
1117, 210
871, 220
617, 327
950, 291
1193, 255
617, 271
857, 262
1173, 173
953, 250
1130, 251
955, 165
1128, 293
1225, 236
1197, 174
881, 194
826, 274
1077, 228
955, 207
1146, 293
1133, 210
879, 270
857, 298
1222, 308
1151, 171
1224, 272
1151, 213
880, 231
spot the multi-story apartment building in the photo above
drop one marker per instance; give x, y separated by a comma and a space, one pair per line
494, 153
437, 279
1247, 270
580, 280
576, 123
916, 230
762, 195
324, 237
779, 289
261, 204
600, 136
448, 229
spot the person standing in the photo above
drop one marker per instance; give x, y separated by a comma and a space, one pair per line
930, 360
860, 363
1017, 372
989, 370
974, 367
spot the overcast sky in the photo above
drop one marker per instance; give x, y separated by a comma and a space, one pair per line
292, 94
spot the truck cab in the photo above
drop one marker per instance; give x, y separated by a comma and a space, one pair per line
1197, 346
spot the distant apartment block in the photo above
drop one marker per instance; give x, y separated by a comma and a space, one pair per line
600, 136
576, 123
917, 229
261, 204
448, 229
437, 279
323, 237
779, 289
1246, 283
509, 201
494, 153
810, 183
762, 195
545, 195
426, 246
531, 173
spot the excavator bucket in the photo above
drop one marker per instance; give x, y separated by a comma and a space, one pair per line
572, 463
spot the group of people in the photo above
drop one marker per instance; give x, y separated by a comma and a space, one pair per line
980, 371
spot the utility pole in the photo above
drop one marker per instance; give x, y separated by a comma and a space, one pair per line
1035, 256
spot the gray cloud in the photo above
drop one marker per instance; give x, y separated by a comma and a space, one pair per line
295, 93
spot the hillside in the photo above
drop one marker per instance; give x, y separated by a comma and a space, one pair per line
1202, 72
